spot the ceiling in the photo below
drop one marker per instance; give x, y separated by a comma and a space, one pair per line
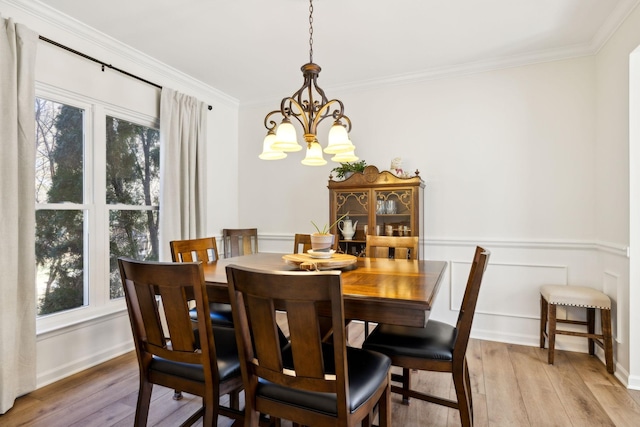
252, 50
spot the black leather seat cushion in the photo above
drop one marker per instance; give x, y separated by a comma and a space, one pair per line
226, 354
367, 369
220, 314
435, 341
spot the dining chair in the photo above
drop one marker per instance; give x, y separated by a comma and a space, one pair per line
436, 347
239, 241
400, 247
302, 243
310, 382
202, 361
397, 247
205, 250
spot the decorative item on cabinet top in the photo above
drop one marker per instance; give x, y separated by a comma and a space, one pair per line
345, 170
371, 174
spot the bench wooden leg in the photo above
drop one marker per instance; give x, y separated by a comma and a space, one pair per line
591, 328
552, 332
607, 339
543, 320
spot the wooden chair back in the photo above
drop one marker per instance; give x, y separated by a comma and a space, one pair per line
154, 291
193, 250
302, 243
469, 302
303, 296
240, 241
404, 247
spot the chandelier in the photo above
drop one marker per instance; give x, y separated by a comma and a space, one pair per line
308, 106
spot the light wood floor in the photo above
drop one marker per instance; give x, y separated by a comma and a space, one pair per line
512, 386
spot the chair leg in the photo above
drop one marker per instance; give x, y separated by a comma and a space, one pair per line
552, 332
384, 408
406, 384
607, 338
177, 395
234, 399
467, 380
144, 401
591, 328
211, 405
463, 395
544, 306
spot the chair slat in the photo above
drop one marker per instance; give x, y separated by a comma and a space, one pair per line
306, 339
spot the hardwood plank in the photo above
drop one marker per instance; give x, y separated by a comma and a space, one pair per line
619, 405
578, 401
511, 385
478, 393
55, 399
536, 388
635, 395
504, 399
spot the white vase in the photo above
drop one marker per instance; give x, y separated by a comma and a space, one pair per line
322, 242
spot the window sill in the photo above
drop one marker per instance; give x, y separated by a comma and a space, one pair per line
78, 318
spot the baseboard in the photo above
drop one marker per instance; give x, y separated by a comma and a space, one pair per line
79, 365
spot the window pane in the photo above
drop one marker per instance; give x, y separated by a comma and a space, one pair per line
133, 163
59, 152
133, 234
59, 260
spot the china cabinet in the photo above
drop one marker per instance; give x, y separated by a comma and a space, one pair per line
377, 203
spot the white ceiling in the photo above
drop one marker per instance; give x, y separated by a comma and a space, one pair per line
252, 50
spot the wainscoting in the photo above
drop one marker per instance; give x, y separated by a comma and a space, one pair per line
508, 307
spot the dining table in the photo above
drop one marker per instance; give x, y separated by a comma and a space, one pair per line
381, 290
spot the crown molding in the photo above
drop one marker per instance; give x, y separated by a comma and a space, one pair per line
610, 26
613, 22
78, 29
109, 44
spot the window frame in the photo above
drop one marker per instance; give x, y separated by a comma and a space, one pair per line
96, 211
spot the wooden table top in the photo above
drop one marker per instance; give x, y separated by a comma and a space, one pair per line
380, 290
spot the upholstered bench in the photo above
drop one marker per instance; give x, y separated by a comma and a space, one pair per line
576, 296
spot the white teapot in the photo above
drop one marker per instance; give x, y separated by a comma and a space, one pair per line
347, 228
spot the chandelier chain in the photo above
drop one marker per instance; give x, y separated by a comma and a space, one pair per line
311, 31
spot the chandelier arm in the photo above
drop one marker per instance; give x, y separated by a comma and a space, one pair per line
289, 112
271, 125
318, 89
337, 114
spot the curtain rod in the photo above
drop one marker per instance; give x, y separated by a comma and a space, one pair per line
104, 64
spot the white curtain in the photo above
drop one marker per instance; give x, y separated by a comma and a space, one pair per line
183, 135
17, 212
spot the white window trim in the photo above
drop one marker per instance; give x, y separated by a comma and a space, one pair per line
96, 245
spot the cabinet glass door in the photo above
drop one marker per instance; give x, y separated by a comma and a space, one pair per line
351, 230
393, 212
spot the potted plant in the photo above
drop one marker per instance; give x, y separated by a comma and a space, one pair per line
345, 170
322, 240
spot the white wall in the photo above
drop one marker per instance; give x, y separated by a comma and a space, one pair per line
509, 160
617, 185
496, 143
78, 346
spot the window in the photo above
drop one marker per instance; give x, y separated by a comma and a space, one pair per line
97, 191
132, 191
